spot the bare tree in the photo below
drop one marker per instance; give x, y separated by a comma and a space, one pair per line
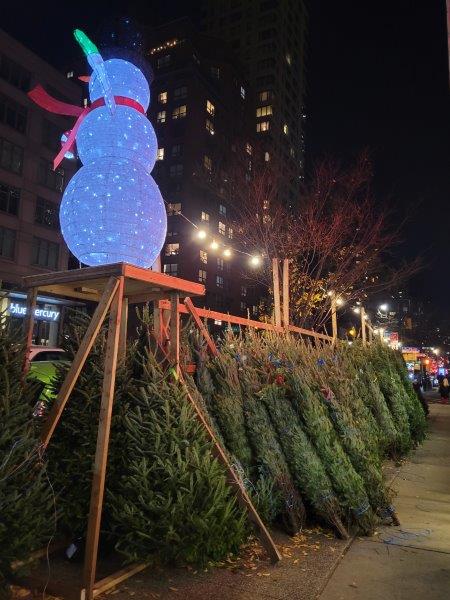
338, 237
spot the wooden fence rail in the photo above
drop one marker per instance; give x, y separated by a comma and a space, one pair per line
242, 321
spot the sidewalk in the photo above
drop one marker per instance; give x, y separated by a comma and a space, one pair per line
411, 562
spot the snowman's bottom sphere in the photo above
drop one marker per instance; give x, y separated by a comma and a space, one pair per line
112, 211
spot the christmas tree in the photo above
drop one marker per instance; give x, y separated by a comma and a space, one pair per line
172, 501
26, 501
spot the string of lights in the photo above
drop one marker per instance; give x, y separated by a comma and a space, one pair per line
228, 250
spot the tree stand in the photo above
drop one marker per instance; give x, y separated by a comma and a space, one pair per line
113, 287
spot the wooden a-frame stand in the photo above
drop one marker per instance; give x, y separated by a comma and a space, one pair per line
114, 287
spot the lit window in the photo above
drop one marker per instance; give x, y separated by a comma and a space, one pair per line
285, 129
263, 111
171, 269
172, 249
230, 233
248, 148
160, 154
210, 126
223, 210
264, 96
177, 150
210, 108
242, 92
266, 156
69, 74
292, 152
243, 290
207, 163
174, 208
221, 228
176, 170
220, 264
263, 126
179, 112
215, 72
219, 281
162, 97
163, 61
205, 216
202, 275
217, 322
289, 59
161, 116
180, 92
203, 256
243, 306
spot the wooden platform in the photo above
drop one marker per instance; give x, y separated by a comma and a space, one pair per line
113, 287
140, 285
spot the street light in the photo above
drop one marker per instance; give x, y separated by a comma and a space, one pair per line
214, 245
383, 307
201, 234
255, 261
227, 253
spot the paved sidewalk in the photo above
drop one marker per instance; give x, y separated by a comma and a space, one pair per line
411, 562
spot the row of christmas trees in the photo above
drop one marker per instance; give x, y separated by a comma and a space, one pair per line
306, 427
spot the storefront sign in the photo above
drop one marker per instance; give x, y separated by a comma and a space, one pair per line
45, 314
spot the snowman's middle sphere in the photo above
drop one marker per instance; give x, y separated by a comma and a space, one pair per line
125, 134
112, 211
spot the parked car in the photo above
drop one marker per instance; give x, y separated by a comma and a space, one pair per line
43, 361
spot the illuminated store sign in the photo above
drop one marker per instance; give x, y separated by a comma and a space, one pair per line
45, 314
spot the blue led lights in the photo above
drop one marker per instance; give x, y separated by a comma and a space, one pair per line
112, 209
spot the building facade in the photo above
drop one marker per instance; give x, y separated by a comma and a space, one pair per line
200, 112
30, 190
269, 36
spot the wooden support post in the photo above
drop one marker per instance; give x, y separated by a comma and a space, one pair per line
286, 294
363, 326
236, 484
370, 334
334, 328
174, 349
209, 341
123, 330
28, 327
276, 291
101, 453
157, 316
79, 360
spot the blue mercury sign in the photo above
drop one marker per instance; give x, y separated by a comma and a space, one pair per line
45, 314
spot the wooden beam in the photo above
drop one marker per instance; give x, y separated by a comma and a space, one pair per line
168, 282
123, 330
105, 584
101, 453
174, 348
79, 360
236, 484
286, 294
310, 333
209, 341
204, 313
218, 316
363, 326
233, 480
334, 329
276, 292
28, 328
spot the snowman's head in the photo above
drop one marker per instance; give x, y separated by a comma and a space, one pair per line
125, 79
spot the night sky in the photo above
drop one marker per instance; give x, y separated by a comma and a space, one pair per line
377, 78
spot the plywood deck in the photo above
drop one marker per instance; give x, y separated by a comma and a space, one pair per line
141, 285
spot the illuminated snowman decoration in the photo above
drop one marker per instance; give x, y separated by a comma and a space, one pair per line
112, 210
